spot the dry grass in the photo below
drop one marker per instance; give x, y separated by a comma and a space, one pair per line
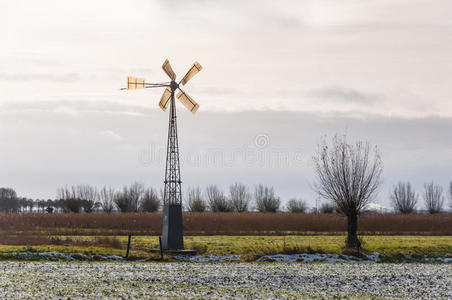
36, 240
30, 225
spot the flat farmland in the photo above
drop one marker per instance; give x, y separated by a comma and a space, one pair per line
248, 235
248, 248
223, 280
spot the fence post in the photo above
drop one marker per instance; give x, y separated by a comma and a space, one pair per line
161, 248
128, 245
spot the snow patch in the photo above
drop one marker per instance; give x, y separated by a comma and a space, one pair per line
331, 258
207, 258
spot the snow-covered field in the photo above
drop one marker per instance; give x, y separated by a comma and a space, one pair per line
86, 280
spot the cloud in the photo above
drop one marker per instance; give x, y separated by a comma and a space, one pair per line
74, 107
344, 95
65, 77
110, 134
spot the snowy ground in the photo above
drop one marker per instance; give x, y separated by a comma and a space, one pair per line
114, 280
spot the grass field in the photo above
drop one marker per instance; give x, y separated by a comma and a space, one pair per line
252, 247
249, 235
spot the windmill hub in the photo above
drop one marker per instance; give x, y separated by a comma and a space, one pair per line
174, 85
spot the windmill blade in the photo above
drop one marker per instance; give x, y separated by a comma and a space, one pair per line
192, 72
168, 70
134, 83
165, 100
187, 101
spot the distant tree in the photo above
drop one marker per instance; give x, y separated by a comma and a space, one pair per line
23, 204
265, 199
41, 205
217, 200
68, 199
129, 198
433, 198
297, 206
30, 205
59, 205
135, 193
327, 208
88, 197
195, 201
239, 197
122, 202
450, 195
404, 198
106, 198
50, 206
150, 201
349, 177
9, 203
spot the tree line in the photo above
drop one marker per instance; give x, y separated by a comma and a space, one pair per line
137, 198
238, 198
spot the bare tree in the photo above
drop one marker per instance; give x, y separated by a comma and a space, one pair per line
129, 198
217, 200
404, 198
122, 201
68, 199
433, 197
106, 198
150, 201
349, 177
196, 203
265, 198
88, 196
450, 195
239, 197
297, 206
135, 192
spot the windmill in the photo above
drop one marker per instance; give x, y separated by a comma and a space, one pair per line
172, 237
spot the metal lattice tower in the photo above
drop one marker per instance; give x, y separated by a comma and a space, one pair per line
172, 191
172, 236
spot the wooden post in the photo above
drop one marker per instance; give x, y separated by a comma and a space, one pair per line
284, 242
128, 245
161, 247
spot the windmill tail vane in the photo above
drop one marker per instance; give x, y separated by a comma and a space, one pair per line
172, 236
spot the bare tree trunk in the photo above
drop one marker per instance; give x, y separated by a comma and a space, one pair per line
352, 232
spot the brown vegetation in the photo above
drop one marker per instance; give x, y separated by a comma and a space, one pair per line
220, 224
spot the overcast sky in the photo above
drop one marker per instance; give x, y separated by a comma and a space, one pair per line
278, 75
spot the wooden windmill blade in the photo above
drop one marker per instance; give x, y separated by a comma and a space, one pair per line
195, 68
168, 70
165, 99
187, 101
134, 83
